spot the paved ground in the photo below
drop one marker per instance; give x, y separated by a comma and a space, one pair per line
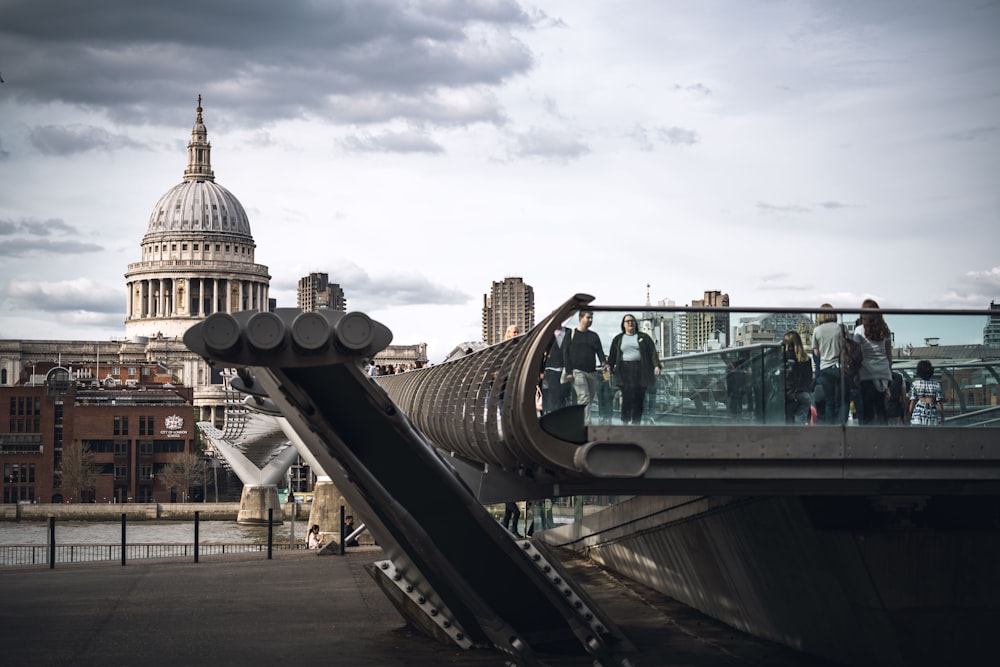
302, 609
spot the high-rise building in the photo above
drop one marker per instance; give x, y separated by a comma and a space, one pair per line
707, 329
991, 332
509, 302
316, 291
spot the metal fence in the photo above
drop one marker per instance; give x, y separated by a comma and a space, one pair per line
38, 554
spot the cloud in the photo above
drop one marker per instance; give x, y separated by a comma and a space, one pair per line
672, 136
69, 139
28, 237
698, 88
549, 145
765, 208
407, 141
137, 61
80, 295
677, 136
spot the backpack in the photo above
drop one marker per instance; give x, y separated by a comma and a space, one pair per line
851, 357
895, 404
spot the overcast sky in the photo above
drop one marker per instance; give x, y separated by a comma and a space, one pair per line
787, 152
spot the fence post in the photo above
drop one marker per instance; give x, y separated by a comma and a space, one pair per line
52, 542
270, 531
196, 517
343, 538
123, 538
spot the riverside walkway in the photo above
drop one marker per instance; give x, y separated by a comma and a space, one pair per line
302, 609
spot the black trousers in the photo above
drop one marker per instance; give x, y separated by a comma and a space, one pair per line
633, 392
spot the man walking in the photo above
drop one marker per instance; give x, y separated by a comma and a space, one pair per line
584, 346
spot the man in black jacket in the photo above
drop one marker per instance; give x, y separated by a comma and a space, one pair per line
555, 392
578, 357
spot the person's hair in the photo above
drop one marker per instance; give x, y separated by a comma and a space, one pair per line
794, 341
826, 315
875, 327
627, 315
315, 528
585, 312
925, 369
512, 330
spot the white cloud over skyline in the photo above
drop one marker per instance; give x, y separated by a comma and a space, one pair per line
788, 153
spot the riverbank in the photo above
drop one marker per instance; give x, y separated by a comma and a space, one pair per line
133, 511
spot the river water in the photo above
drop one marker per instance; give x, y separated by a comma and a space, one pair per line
145, 532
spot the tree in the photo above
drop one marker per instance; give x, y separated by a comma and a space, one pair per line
78, 471
186, 471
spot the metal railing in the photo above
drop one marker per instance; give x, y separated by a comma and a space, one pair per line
38, 554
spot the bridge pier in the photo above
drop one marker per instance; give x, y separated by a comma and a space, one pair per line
325, 510
255, 501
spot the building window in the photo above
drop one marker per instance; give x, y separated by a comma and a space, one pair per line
120, 425
121, 447
121, 471
131, 371
146, 471
146, 447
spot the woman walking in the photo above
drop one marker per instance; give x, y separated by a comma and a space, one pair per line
635, 364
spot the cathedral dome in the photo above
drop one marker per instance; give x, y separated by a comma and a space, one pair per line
198, 207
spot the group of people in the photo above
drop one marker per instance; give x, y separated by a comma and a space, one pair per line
878, 393
315, 542
575, 363
377, 370
817, 389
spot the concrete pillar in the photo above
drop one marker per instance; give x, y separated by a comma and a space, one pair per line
325, 509
254, 503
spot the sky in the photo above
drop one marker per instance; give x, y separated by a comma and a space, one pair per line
786, 152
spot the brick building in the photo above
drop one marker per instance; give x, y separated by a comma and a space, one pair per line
132, 434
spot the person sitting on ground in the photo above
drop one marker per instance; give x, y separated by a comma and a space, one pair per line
347, 529
315, 540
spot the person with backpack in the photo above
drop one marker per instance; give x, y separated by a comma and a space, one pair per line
876, 368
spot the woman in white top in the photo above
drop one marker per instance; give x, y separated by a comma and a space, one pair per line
315, 540
876, 368
827, 338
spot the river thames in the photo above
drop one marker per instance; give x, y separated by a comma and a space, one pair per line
145, 532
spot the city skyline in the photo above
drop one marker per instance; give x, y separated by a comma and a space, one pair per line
788, 153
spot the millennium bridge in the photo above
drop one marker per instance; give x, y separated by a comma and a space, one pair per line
863, 545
